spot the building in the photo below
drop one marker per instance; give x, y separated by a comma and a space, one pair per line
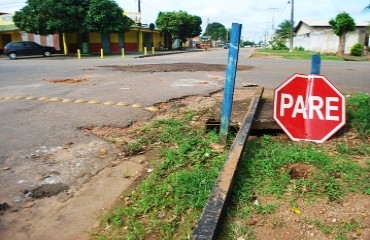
9, 32
318, 36
139, 37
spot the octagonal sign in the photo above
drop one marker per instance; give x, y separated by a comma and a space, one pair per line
309, 107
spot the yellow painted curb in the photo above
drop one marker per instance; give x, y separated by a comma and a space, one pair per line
109, 103
138, 105
43, 98
80, 101
19, 97
122, 104
55, 99
31, 98
94, 102
152, 109
67, 100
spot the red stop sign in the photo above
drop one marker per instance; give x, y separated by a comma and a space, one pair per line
309, 107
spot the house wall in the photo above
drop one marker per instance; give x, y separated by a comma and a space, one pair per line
49, 40
10, 36
131, 41
304, 29
95, 42
327, 41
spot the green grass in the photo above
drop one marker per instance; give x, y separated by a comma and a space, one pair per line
264, 171
358, 113
168, 203
296, 54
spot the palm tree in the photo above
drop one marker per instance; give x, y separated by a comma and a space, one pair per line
367, 8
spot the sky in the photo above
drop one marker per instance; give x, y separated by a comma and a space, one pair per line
258, 18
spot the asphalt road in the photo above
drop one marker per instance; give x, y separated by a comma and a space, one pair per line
29, 128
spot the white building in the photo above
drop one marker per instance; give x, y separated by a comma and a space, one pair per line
318, 36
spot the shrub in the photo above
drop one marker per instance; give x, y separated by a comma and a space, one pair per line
357, 49
300, 48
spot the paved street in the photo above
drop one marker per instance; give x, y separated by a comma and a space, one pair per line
48, 122
45, 102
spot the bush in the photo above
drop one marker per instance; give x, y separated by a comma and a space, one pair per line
278, 44
300, 48
357, 49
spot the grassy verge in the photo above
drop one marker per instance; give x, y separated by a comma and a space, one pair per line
168, 203
275, 174
278, 178
305, 55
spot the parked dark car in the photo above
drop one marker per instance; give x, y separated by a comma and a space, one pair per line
27, 48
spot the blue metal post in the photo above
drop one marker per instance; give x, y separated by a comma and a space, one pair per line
230, 81
315, 64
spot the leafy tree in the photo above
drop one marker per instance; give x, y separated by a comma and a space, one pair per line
342, 24
367, 8
106, 16
179, 24
217, 31
248, 43
62, 16
283, 29
50, 16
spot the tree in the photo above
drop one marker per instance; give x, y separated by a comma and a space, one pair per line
283, 30
342, 24
67, 16
367, 8
49, 16
216, 30
106, 16
179, 24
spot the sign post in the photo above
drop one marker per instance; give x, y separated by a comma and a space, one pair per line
230, 81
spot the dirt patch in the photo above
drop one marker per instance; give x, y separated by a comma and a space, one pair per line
47, 190
66, 80
300, 170
174, 67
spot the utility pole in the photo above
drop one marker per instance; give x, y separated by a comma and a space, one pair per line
291, 25
139, 6
273, 18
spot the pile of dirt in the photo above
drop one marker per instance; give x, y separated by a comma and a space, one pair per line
174, 67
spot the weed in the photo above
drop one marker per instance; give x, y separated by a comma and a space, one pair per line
110, 140
237, 230
339, 230
266, 209
277, 222
136, 146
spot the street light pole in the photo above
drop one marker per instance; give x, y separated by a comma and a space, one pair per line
291, 25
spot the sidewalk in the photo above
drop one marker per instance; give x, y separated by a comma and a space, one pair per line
113, 56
